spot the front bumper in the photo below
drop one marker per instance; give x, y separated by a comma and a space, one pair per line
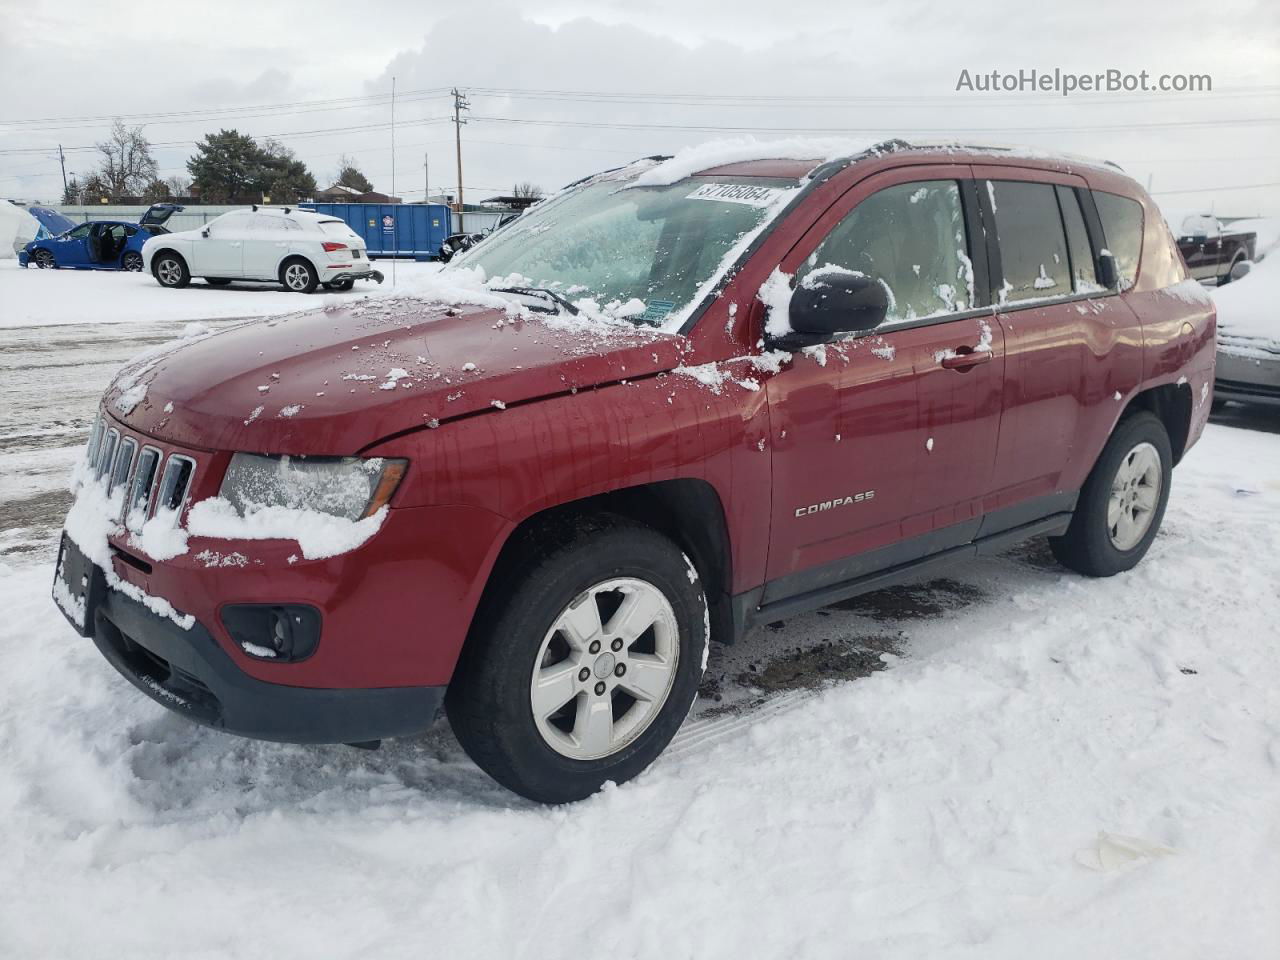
24, 258
187, 671
1248, 377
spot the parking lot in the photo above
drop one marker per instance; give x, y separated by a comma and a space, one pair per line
940, 764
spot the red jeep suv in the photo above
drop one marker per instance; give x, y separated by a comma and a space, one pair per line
676, 400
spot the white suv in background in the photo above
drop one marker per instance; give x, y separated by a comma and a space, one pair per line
299, 249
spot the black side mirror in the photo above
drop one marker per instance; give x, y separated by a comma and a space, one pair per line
1108, 272
205, 233
832, 301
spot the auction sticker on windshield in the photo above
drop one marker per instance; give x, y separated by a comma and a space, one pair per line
736, 193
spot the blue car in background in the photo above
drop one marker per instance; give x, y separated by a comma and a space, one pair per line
98, 244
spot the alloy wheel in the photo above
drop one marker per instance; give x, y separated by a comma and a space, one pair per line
133, 262
1135, 493
169, 272
297, 276
44, 260
605, 668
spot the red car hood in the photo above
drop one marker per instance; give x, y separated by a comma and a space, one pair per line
335, 381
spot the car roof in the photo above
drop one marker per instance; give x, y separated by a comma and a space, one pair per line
784, 164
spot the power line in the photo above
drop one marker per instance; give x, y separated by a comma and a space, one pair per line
1242, 186
885, 128
695, 99
375, 99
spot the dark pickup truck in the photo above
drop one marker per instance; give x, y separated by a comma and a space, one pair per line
1212, 252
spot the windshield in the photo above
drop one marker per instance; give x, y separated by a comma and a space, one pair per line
649, 253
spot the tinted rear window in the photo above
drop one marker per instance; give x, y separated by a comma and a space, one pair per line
1122, 226
1033, 246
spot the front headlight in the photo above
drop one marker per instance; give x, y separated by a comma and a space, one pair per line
348, 487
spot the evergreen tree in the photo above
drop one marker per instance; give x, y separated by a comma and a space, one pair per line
349, 175
226, 167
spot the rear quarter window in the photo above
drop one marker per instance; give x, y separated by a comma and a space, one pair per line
1122, 227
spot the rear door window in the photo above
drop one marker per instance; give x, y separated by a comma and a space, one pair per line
1033, 244
1122, 226
911, 237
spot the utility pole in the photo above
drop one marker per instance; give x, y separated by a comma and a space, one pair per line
62, 159
459, 104
426, 178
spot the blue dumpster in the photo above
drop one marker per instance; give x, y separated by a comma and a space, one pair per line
393, 229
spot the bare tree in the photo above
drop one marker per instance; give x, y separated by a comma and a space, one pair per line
527, 191
127, 165
179, 186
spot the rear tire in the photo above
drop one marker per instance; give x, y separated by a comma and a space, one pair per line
1122, 502
170, 270
132, 261
541, 699
340, 285
299, 276
217, 281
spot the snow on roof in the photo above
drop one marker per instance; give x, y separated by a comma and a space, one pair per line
719, 153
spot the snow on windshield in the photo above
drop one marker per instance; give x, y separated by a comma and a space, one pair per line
647, 255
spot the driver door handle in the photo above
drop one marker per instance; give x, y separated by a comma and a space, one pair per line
965, 357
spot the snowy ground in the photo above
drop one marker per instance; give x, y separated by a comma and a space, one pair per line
1010, 762
34, 297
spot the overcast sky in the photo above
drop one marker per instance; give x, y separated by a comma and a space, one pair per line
874, 70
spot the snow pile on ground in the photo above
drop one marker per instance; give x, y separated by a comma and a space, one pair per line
17, 229
35, 297
1250, 306
1065, 768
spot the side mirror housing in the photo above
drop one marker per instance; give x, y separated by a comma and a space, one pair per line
1241, 269
205, 233
1108, 271
831, 301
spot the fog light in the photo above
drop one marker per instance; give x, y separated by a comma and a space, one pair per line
280, 632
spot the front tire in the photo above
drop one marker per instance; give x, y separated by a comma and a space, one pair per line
45, 260
1122, 502
217, 281
298, 276
170, 270
583, 663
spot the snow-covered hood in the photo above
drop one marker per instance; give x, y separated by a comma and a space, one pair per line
336, 380
1249, 310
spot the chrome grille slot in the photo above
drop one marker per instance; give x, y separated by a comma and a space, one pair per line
106, 456
139, 499
122, 464
95, 438
176, 482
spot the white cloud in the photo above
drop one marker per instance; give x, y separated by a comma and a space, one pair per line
263, 53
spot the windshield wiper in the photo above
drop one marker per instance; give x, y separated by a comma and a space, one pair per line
549, 294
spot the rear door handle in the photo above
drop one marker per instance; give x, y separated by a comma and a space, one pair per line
965, 357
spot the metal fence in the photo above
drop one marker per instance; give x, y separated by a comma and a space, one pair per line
191, 218
194, 217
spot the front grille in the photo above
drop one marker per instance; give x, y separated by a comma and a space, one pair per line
130, 463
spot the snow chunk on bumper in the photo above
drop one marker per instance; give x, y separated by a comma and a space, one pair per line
318, 535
